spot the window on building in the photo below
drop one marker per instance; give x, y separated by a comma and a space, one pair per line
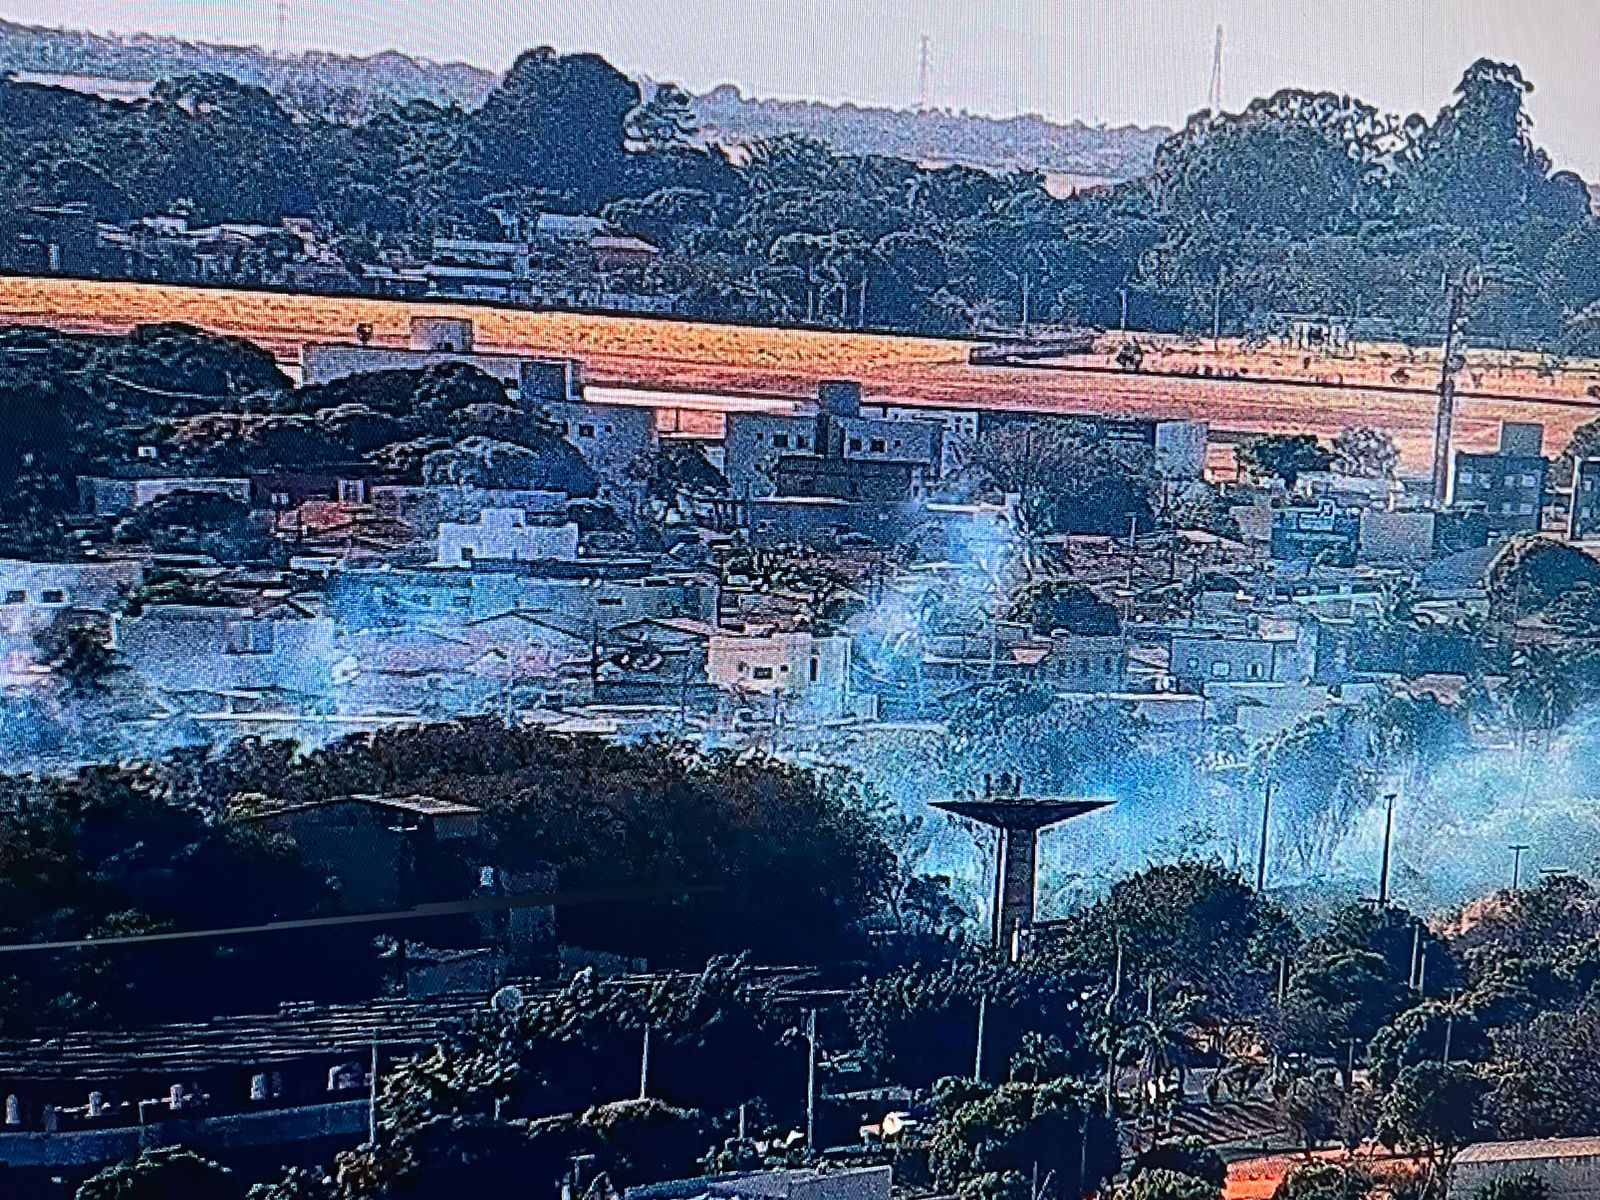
1529, 481
1194, 662
586, 431
16, 596
780, 441
1255, 670
609, 601
762, 673
878, 446
1221, 670
280, 499
1526, 509
855, 444
816, 668
52, 596
252, 637
1466, 477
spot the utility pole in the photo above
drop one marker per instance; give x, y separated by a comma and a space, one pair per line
1122, 294
1388, 845
1216, 308
644, 1064
811, 1080
1133, 548
280, 38
372, 1098
1261, 855
1444, 419
1027, 281
1517, 851
977, 1062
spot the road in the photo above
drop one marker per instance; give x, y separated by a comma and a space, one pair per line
1237, 390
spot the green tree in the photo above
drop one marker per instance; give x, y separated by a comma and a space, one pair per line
1369, 453
1324, 1181
1018, 1128
166, 1173
1162, 1184
1435, 1107
1524, 1185
1282, 456
1186, 1156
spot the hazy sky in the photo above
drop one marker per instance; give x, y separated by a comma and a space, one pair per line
1143, 61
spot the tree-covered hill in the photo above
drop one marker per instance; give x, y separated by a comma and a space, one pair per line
1303, 202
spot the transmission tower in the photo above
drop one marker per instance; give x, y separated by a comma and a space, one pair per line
1214, 102
924, 54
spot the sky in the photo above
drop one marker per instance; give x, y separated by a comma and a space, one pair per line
1113, 61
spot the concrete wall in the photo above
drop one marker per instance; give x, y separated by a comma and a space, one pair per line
1386, 536
90, 1147
1569, 1178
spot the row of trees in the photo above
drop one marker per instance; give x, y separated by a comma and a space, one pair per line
1303, 202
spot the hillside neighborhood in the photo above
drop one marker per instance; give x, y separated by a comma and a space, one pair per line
541, 655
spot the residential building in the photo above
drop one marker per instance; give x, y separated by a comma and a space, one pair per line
114, 497
1177, 448
431, 341
36, 597
1568, 1167
1508, 486
1323, 534
594, 595
211, 649
504, 535
799, 668
374, 848
1583, 513
1199, 659
615, 439
836, 453
808, 1183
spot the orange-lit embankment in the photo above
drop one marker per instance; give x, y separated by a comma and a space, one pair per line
1234, 388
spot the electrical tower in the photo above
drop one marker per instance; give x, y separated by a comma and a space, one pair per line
1458, 293
923, 55
1214, 102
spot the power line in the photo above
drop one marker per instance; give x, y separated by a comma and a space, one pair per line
420, 912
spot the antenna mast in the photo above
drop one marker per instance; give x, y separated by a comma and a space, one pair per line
1215, 100
923, 54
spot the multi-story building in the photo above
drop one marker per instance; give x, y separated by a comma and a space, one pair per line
776, 455
1508, 486
1583, 514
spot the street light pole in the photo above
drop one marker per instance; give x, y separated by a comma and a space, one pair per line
1517, 851
1261, 858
